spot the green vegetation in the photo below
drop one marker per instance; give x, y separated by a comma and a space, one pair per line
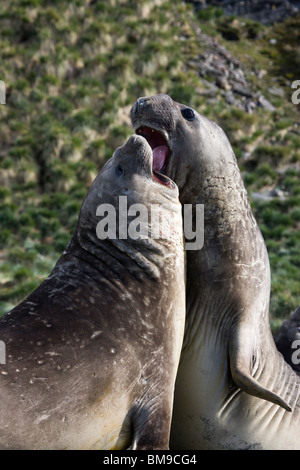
73, 70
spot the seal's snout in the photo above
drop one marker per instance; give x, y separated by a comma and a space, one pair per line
138, 145
154, 102
138, 106
139, 151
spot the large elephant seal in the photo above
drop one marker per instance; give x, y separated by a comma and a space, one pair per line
287, 340
233, 388
92, 353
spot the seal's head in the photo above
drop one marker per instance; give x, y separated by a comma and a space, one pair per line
135, 158
127, 179
184, 143
128, 171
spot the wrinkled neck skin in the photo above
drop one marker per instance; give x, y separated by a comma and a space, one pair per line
234, 252
227, 337
118, 259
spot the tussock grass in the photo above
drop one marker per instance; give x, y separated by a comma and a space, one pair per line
73, 70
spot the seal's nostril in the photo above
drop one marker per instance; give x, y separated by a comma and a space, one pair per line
138, 106
141, 103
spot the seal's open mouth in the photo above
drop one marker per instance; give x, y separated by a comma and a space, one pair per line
163, 179
158, 143
160, 152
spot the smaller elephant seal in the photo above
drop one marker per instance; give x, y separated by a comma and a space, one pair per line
287, 340
92, 353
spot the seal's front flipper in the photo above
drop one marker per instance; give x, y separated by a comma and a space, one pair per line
240, 358
151, 427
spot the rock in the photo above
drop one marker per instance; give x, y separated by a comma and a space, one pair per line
260, 73
246, 155
265, 104
241, 90
262, 196
237, 74
266, 12
277, 91
222, 82
217, 64
269, 195
230, 99
210, 89
250, 106
277, 192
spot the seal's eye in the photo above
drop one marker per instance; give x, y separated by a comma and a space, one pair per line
119, 170
188, 114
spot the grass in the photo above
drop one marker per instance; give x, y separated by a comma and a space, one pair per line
73, 71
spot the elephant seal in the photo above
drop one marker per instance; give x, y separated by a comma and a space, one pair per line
287, 340
233, 388
92, 353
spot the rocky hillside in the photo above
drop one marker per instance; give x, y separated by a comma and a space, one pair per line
266, 12
72, 70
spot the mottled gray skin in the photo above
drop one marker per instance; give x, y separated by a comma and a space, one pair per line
92, 353
287, 340
233, 388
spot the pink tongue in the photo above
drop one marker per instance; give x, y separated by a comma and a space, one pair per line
159, 157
